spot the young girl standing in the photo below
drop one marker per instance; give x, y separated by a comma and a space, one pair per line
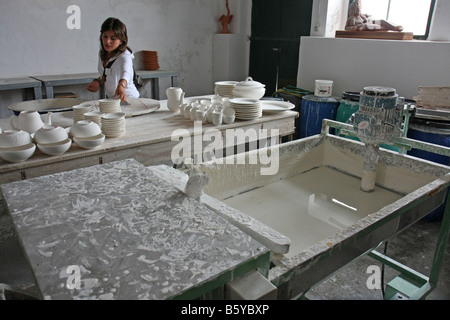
115, 63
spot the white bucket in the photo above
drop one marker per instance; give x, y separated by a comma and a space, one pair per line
323, 88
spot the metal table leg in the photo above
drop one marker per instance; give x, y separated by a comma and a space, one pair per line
411, 284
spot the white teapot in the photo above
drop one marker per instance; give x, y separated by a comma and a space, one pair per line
175, 98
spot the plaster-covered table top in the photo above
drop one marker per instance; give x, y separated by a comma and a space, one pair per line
121, 231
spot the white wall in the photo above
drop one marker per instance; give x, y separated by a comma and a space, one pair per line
355, 63
440, 26
328, 16
34, 38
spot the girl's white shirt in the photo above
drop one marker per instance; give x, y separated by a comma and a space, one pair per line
122, 68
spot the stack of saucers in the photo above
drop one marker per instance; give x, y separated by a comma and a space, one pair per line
109, 105
113, 124
94, 116
246, 109
80, 110
224, 88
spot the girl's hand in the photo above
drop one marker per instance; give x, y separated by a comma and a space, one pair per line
93, 86
120, 91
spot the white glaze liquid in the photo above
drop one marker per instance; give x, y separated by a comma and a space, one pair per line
311, 206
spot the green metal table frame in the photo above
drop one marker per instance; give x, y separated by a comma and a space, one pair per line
411, 284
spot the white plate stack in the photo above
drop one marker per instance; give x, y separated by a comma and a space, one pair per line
225, 88
95, 116
109, 105
113, 124
246, 109
80, 110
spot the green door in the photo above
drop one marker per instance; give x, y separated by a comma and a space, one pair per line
277, 26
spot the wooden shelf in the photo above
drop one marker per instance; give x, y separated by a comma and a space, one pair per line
386, 35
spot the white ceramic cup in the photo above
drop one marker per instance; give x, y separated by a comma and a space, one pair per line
228, 111
209, 114
182, 107
228, 118
226, 102
187, 112
216, 118
200, 115
193, 111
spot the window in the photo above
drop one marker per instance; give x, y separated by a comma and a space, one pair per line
413, 15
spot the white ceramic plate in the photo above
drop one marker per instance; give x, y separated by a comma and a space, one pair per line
46, 105
248, 117
226, 83
244, 101
269, 106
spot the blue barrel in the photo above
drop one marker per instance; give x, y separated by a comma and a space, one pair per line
435, 132
313, 110
432, 132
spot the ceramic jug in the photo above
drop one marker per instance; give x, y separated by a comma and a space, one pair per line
30, 121
175, 98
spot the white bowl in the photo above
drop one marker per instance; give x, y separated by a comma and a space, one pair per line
14, 138
253, 93
228, 111
90, 142
228, 118
55, 149
50, 134
17, 154
84, 129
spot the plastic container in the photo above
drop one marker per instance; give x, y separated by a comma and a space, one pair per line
323, 88
313, 110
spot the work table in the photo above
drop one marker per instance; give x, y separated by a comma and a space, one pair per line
123, 231
148, 139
